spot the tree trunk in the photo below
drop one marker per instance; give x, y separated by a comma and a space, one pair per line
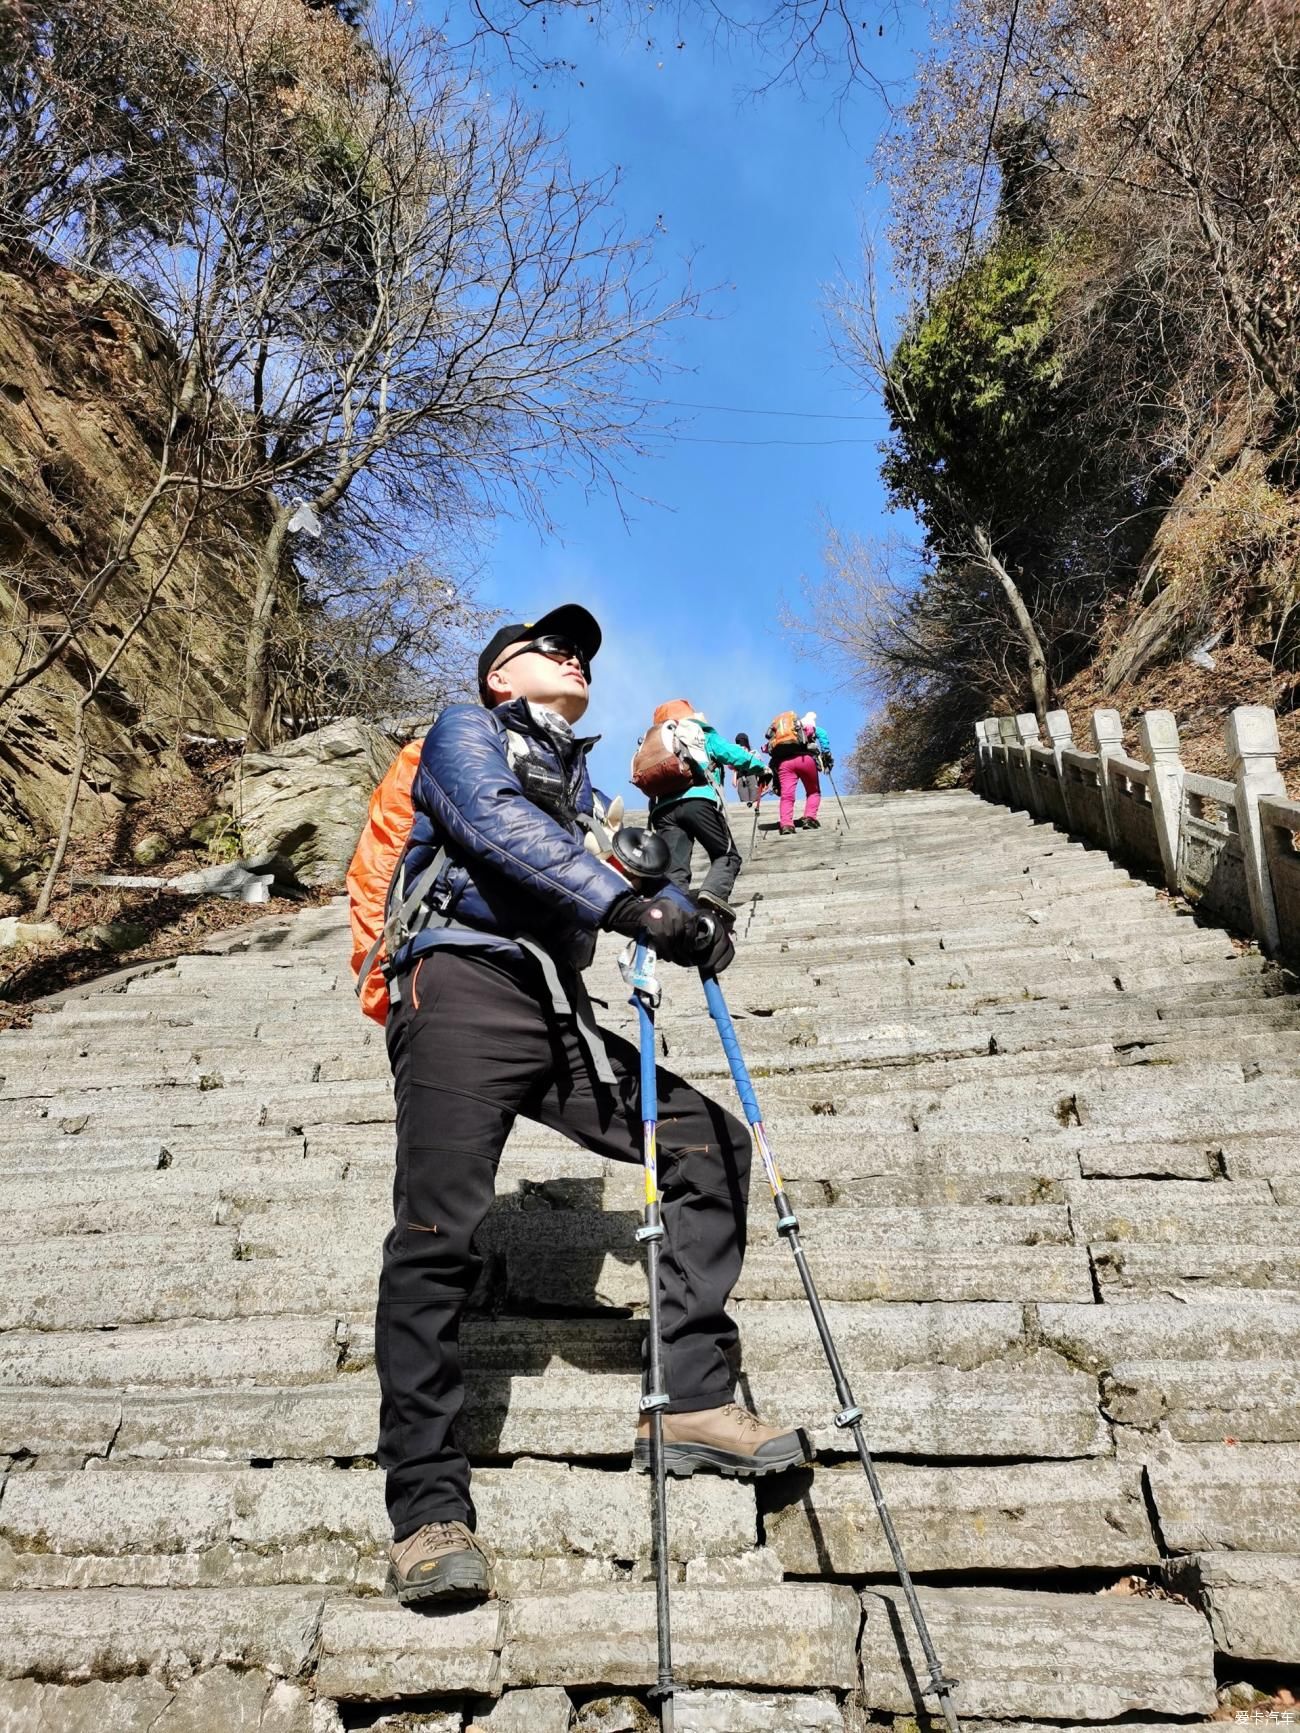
69, 809
1035, 658
258, 705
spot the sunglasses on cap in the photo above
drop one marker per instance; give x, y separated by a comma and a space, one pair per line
555, 649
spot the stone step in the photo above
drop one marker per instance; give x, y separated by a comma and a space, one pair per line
1225, 1497
223, 1697
308, 1349
274, 1526
799, 1636
1098, 1338
1251, 1600
1176, 1211
73, 1635
299, 1350
1199, 1274
148, 1278
1031, 1516
934, 1412
1206, 1401
754, 1712
1087, 1657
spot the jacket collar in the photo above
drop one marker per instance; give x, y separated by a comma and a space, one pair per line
521, 718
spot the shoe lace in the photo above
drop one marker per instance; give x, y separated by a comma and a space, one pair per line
445, 1533
745, 1421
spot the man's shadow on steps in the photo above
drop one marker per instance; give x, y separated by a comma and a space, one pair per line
562, 1287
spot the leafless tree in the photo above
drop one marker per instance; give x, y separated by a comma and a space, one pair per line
392, 306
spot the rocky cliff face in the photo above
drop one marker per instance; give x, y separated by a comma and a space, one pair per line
81, 423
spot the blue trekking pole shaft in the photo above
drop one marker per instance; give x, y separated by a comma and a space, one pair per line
653, 1402
849, 1417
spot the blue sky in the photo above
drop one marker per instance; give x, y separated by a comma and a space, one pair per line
768, 196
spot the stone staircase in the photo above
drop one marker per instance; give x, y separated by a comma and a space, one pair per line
1045, 1138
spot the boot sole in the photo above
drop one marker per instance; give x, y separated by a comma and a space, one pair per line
683, 1460
468, 1581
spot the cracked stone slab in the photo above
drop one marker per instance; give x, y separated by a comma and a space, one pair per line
73, 1635
1085, 1657
799, 1636
1213, 1497
1034, 1516
1099, 1337
36, 1423
378, 1651
1207, 1401
1252, 1601
1200, 1273
546, 1709
234, 1702
755, 1712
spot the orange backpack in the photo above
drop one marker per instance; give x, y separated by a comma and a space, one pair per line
786, 730
371, 874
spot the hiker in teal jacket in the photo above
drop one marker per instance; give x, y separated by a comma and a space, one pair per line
697, 815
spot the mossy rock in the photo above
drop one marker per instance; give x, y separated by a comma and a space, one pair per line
117, 936
208, 829
151, 849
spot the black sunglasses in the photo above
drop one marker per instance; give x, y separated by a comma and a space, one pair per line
555, 650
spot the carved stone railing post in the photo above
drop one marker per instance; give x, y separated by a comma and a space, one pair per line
1060, 738
986, 732
1253, 745
1006, 760
1158, 735
1107, 740
1026, 726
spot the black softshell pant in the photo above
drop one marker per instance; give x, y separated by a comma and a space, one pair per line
692, 821
473, 1043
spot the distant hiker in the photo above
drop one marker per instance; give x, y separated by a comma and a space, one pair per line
818, 741
473, 867
691, 808
747, 781
795, 747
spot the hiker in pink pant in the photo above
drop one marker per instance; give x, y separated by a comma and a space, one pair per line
795, 746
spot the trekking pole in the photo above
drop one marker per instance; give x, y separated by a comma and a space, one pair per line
753, 835
640, 976
849, 1417
844, 815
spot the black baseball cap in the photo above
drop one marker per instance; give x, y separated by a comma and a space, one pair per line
569, 620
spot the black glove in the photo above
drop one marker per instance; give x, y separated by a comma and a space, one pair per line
720, 950
671, 925
828, 763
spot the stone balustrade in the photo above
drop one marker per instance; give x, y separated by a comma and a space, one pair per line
1226, 844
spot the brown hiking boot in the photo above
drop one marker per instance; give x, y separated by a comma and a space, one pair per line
728, 1440
441, 1561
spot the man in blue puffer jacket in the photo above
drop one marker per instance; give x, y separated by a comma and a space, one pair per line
489, 1019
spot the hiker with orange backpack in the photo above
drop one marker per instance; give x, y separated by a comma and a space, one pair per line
681, 764
474, 885
796, 747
